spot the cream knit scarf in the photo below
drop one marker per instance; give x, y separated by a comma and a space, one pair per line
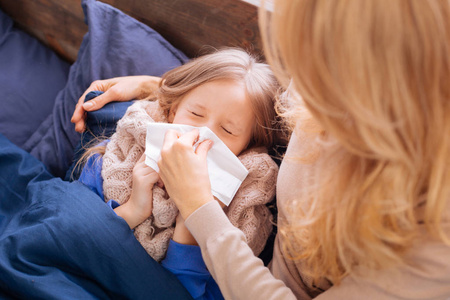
247, 211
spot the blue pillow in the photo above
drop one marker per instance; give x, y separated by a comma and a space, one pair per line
115, 45
31, 76
103, 122
100, 124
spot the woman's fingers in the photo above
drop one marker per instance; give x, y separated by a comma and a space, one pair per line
78, 118
184, 171
98, 102
170, 138
79, 114
203, 148
115, 89
190, 138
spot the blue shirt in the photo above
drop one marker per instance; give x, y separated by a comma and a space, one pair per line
184, 261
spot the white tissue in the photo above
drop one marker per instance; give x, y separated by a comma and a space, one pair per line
226, 172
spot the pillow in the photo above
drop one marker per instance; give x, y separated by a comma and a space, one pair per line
115, 45
103, 122
30, 78
100, 124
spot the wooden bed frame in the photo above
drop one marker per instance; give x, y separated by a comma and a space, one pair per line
188, 24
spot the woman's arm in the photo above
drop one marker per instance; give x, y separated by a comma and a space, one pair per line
115, 89
239, 274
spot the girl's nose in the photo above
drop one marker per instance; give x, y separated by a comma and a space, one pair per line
211, 125
208, 123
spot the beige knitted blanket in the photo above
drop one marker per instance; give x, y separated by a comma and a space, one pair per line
247, 211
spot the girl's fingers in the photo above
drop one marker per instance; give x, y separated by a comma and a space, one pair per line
142, 166
152, 177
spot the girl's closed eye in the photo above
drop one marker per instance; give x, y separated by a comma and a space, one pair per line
227, 131
196, 114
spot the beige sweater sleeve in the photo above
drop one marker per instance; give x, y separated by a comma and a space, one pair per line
239, 274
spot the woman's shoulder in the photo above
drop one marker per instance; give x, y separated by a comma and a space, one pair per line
305, 141
425, 275
299, 162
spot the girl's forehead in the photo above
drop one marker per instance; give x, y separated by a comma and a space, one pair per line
219, 89
227, 98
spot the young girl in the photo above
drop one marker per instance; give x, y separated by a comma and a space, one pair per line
233, 95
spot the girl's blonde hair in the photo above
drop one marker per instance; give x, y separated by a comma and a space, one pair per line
230, 64
375, 76
226, 64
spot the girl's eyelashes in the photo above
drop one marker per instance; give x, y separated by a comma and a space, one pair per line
201, 116
196, 114
227, 131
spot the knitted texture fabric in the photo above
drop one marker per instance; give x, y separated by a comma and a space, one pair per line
247, 211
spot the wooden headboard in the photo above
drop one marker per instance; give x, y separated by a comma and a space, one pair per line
188, 24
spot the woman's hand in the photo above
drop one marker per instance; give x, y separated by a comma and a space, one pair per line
140, 205
184, 171
115, 89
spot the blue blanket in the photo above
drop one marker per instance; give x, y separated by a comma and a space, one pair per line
59, 240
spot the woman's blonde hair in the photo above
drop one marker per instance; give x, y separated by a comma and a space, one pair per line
375, 76
230, 64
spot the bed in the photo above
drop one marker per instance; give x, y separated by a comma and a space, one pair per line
50, 52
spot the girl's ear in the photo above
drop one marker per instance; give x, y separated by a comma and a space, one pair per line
172, 112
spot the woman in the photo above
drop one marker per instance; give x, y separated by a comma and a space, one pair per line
363, 189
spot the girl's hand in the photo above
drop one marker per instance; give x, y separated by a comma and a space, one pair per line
140, 205
181, 234
184, 171
115, 89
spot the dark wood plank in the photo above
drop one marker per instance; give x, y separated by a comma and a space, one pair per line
189, 25
59, 24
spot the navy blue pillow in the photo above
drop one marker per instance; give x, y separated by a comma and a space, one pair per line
115, 45
103, 122
31, 76
100, 124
